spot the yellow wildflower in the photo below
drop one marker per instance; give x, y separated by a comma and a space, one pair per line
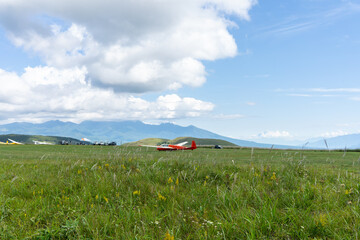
99, 167
92, 205
107, 165
273, 177
207, 177
123, 166
177, 181
137, 192
347, 192
79, 171
106, 200
168, 236
205, 183
170, 180
97, 197
161, 197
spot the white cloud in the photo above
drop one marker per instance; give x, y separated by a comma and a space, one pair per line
42, 76
251, 103
13, 90
274, 134
131, 46
44, 93
240, 8
334, 134
97, 54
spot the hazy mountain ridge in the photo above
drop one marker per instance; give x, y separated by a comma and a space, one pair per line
351, 141
121, 132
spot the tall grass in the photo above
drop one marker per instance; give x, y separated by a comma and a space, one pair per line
93, 192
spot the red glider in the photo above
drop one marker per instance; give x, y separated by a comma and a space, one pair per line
171, 147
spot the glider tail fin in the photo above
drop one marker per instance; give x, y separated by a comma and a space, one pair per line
193, 145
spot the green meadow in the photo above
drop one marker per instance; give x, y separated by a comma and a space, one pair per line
95, 192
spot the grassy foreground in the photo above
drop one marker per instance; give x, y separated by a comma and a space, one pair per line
94, 192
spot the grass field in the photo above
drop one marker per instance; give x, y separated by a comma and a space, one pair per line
94, 192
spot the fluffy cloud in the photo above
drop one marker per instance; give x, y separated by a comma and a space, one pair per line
130, 46
98, 54
48, 93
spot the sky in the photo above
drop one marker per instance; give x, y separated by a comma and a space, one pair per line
268, 71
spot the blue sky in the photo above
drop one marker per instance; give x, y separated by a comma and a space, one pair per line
269, 71
298, 67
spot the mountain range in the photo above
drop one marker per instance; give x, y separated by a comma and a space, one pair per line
121, 132
130, 131
350, 141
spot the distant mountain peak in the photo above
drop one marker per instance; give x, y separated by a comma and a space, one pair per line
121, 131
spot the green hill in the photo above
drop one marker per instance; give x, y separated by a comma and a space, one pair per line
199, 142
28, 139
147, 141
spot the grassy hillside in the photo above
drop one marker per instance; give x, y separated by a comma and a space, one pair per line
28, 139
147, 141
95, 192
199, 141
